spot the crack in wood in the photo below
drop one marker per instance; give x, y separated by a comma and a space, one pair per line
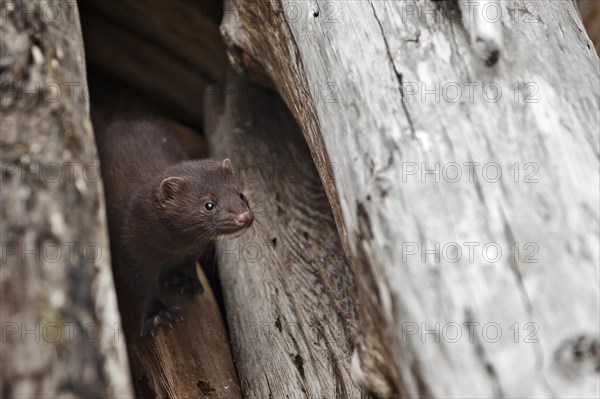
482, 357
397, 73
514, 267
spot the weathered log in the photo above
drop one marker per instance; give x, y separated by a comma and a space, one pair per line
288, 289
60, 322
392, 97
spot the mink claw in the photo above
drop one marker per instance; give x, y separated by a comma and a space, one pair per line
158, 313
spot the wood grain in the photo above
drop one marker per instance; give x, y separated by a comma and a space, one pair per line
354, 76
289, 292
191, 361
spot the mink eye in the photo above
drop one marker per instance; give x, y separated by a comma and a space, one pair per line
243, 197
209, 206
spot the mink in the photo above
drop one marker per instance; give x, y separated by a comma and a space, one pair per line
163, 209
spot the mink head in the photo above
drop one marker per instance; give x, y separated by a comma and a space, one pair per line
202, 200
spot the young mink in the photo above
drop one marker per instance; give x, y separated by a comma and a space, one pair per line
163, 209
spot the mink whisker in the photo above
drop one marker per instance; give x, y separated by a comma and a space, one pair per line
259, 222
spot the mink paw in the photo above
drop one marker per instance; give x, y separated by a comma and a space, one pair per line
184, 283
158, 313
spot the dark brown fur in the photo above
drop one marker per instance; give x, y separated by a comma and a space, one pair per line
157, 218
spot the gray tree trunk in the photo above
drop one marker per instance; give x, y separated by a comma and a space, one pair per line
61, 333
61, 328
465, 190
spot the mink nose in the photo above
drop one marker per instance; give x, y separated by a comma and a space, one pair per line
244, 219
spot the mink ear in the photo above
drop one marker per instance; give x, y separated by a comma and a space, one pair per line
227, 165
169, 188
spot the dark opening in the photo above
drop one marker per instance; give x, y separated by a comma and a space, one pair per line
155, 59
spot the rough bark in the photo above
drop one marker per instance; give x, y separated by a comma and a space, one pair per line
353, 75
289, 293
60, 324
